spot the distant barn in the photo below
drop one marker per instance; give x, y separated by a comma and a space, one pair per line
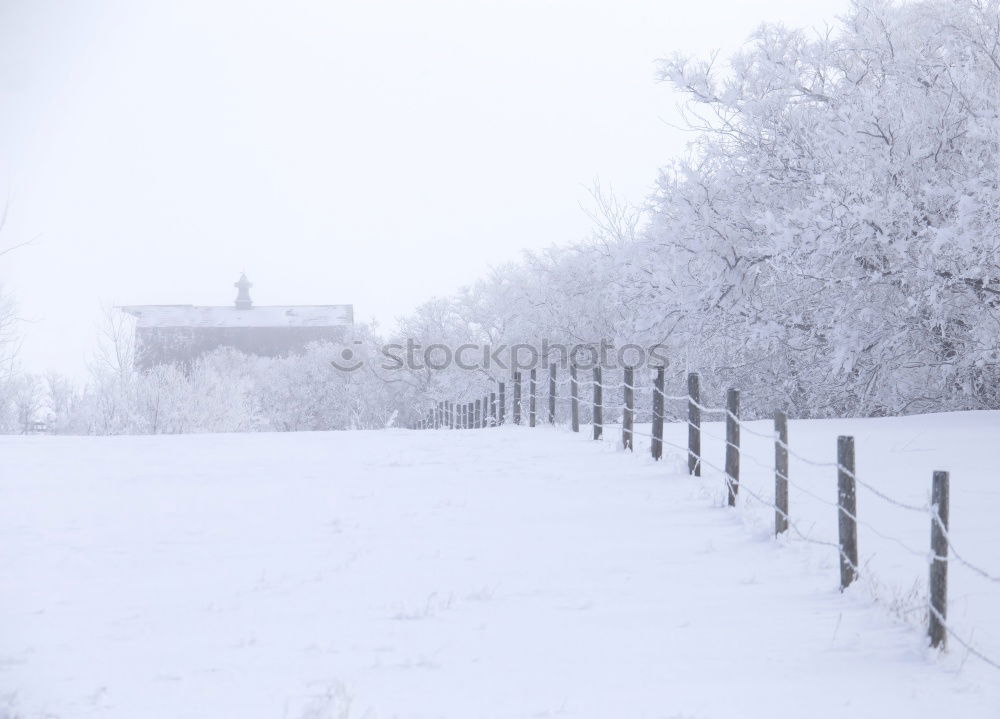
168, 334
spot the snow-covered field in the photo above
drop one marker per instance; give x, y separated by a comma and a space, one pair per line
482, 573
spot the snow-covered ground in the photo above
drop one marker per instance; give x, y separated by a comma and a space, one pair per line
482, 573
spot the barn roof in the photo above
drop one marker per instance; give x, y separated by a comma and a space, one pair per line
274, 316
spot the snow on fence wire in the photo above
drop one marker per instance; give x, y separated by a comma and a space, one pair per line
490, 411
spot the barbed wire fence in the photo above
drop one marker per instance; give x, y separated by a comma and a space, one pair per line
588, 397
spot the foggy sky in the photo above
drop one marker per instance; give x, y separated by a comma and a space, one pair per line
374, 153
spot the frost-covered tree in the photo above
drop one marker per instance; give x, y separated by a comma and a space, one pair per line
830, 243
28, 399
837, 222
226, 391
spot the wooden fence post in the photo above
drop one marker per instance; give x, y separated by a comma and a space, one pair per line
501, 403
574, 400
598, 404
628, 416
552, 393
936, 629
694, 424
847, 512
780, 472
493, 409
656, 443
478, 415
516, 407
486, 411
533, 389
733, 444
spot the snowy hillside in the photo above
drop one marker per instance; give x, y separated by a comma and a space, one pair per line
482, 573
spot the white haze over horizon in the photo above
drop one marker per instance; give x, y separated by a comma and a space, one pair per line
373, 153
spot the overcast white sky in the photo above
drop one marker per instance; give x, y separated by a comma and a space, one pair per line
367, 152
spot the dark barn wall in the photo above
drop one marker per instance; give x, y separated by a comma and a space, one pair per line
167, 345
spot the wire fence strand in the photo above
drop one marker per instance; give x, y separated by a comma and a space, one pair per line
613, 409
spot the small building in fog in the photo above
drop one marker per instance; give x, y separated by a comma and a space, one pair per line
167, 334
